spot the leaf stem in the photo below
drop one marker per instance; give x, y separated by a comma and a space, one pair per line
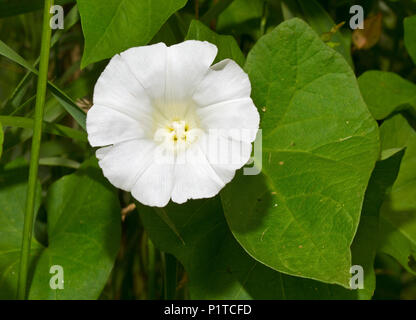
34, 157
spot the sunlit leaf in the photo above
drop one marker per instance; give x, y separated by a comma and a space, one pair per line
113, 26
320, 144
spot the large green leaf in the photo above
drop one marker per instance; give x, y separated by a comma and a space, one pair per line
365, 243
386, 92
83, 236
410, 36
227, 45
198, 235
398, 213
113, 26
13, 186
320, 144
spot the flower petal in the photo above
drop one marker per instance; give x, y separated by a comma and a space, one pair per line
154, 187
224, 81
194, 176
148, 64
239, 118
188, 62
117, 88
123, 163
107, 126
224, 153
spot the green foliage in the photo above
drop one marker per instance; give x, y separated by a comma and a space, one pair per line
322, 23
113, 26
227, 46
13, 186
197, 234
83, 234
366, 240
63, 98
387, 92
326, 197
13, 7
1, 139
410, 36
319, 148
398, 213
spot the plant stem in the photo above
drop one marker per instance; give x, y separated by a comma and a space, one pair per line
151, 270
169, 277
34, 157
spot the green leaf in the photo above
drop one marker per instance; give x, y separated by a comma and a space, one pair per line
366, 240
320, 145
398, 213
61, 96
15, 7
1, 139
83, 235
218, 267
386, 92
13, 186
227, 45
322, 23
239, 13
113, 26
410, 36
52, 128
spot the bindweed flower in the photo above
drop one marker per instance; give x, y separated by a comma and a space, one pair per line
171, 126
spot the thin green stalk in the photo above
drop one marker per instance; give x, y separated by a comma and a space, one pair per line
34, 157
151, 270
170, 275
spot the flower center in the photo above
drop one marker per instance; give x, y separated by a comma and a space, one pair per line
177, 135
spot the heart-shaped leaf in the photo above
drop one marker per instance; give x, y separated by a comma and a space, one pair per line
83, 235
197, 234
320, 144
112, 26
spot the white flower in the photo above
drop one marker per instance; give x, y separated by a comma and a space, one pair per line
160, 114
